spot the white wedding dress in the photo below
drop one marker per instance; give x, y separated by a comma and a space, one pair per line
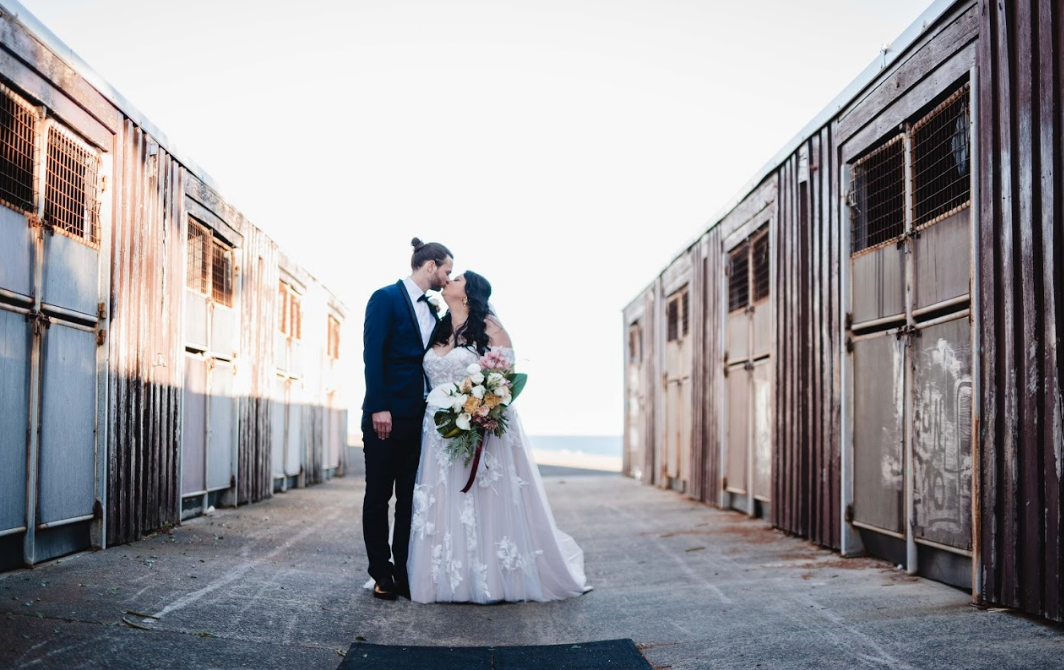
498, 542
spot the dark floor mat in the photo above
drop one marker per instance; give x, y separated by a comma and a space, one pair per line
608, 654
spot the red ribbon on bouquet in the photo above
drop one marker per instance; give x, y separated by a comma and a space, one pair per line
476, 462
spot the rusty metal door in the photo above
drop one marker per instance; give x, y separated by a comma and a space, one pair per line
910, 337
210, 429
748, 372
635, 421
678, 389
52, 328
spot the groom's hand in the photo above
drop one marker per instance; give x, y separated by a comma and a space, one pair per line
382, 424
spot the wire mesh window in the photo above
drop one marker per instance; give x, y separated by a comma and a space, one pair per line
685, 319
197, 277
942, 160
739, 278
70, 204
289, 315
760, 274
334, 338
673, 320
221, 273
282, 308
877, 192
17, 150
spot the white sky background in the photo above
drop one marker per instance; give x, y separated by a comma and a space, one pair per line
564, 149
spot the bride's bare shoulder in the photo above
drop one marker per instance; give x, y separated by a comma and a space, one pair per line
496, 333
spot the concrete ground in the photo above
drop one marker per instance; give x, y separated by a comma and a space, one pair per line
278, 585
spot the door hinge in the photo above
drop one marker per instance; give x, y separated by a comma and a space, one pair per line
101, 336
849, 514
101, 311
849, 320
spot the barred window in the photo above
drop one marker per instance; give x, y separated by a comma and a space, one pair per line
197, 277
941, 160
17, 150
70, 204
685, 320
739, 277
877, 192
334, 338
673, 320
761, 267
222, 273
289, 314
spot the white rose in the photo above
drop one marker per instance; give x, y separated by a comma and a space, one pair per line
504, 396
459, 402
473, 369
495, 379
478, 378
463, 421
478, 391
441, 395
435, 298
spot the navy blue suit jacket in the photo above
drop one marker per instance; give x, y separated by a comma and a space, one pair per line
393, 354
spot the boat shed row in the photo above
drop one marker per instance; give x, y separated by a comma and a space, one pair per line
159, 354
863, 347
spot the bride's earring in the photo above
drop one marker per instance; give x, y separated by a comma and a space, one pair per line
465, 301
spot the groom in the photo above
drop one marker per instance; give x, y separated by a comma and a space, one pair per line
399, 325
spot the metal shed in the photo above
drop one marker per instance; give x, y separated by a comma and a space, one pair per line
137, 319
910, 380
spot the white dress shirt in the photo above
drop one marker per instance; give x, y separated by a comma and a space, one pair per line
425, 318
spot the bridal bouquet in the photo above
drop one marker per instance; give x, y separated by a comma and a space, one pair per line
472, 408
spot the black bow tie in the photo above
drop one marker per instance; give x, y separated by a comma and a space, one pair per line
423, 298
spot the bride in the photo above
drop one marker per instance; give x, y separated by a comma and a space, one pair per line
498, 542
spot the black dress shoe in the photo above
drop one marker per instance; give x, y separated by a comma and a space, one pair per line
403, 589
385, 590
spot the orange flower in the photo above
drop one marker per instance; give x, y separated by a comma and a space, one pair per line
472, 404
492, 400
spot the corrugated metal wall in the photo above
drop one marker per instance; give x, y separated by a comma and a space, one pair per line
709, 361
807, 480
144, 387
258, 276
1021, 203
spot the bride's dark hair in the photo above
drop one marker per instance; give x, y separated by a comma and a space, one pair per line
473, 333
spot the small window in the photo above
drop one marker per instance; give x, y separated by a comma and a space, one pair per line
877, 196
942, 160
221, 273
739, 277
673, 320
761, 264
70, 204
635, 344
197, 278
282, 308
685, 320
17, 150
289, 315
334, 338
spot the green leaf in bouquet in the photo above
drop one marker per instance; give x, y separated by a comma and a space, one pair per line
519, 381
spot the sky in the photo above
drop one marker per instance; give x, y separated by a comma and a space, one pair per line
567, 150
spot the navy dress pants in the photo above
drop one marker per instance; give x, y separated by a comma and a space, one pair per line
391, 466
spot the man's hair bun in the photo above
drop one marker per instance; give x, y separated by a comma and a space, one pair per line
416, 243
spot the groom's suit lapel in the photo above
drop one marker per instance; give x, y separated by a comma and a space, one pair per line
410, 308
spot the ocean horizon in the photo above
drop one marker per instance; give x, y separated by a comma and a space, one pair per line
598, 445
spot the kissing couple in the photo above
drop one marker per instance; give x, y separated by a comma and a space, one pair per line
496, 542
